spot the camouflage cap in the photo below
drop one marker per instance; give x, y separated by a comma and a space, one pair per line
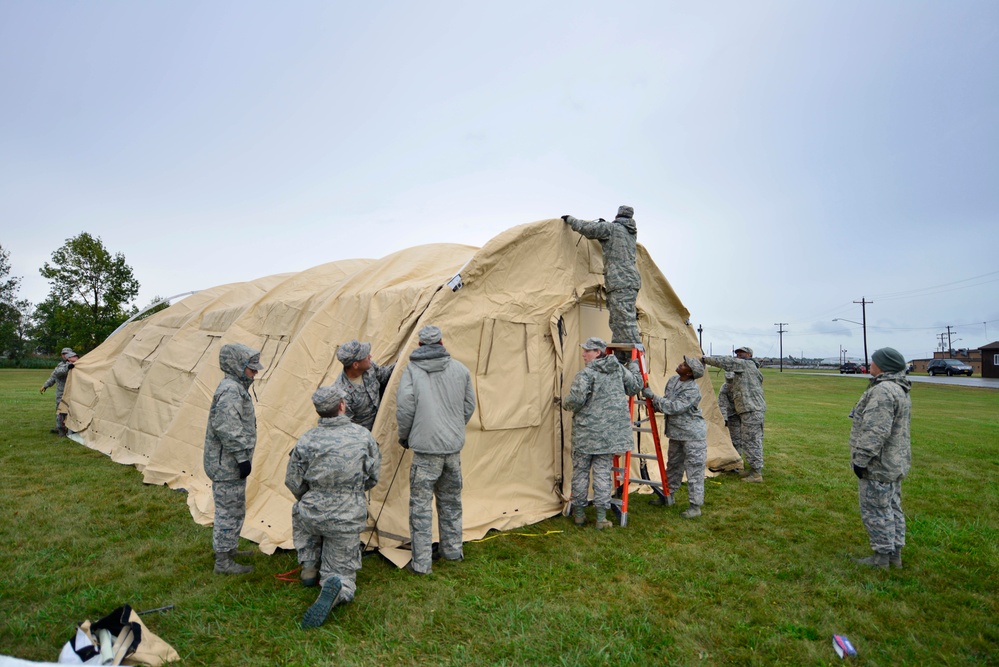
254, 363
625, 212
68, 352
327, 399
747, 350
352, 351
594, 343
430, 334
695, 365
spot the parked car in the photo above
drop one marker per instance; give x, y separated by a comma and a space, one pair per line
949, 366
850, 367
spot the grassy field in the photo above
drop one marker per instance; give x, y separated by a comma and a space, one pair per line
762, 578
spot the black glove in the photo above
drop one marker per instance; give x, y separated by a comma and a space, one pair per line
72, 366
859, 472
244, 469
565, 218
404, 443
601, 220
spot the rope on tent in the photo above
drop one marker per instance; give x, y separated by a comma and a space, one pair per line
545, 534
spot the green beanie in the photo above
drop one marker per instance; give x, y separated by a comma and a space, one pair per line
889, 360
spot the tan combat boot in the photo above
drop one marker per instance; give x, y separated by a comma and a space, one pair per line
754, 477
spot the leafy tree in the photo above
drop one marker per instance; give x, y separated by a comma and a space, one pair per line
89, 295
153, 307
14, 313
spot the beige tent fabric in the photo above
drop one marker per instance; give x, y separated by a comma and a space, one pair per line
530, 296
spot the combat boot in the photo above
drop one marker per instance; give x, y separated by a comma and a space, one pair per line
661, 500
745, 472
754, 476
224, 564
895, 559
691, 512
602, 521
310, 574
877, 560
328, 598
579, 515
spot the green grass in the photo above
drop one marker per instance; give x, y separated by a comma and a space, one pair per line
763, 578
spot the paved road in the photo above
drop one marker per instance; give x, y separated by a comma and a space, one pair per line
963, 381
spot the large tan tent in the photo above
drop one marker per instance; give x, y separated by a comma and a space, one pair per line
514, 312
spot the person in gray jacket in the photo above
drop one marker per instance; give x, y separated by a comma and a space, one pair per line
601, 425
362, 382
435, 400
58, 378
329, 470
687, 432
618, 240
750, 405
880, 453
727, 406
229, 442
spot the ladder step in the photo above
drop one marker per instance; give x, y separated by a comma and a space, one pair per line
641, 429
636, 455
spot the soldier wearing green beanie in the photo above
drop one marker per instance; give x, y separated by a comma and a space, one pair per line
881, 454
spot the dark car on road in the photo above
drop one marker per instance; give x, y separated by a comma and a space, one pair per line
949, 367
850, 367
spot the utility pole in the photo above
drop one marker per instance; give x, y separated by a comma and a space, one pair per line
950, 347
780, 332
863, 310
700, 337
940, 341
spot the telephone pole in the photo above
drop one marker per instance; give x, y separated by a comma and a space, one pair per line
863, 310
700, 337
950, 347
780, 332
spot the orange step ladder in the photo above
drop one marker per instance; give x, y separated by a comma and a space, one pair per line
621, 473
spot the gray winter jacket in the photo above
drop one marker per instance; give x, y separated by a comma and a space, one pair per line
232, 423
598, 399
747, 388
680, 403
435, 401
879, 439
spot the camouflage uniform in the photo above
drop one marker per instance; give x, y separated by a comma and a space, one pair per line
435, 401
727, 406
687, 432
58, 378
879, 444
364, 398
329, 469
229, 440
747, 395
601, 425
621, 278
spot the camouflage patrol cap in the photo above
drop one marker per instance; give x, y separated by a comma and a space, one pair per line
327, 399
625, 212
695, 365
254, 363
352, 351
68, 352
594, 343
430, 334
747, 350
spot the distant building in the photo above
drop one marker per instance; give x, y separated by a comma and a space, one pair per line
989, 355
971, 357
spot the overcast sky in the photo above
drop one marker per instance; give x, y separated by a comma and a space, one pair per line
784, 159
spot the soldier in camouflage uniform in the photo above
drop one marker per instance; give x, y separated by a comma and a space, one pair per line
58, 378
601, 425
362, 382
880, 453
747, 395
687, 432
727, 406
229, 442
621, 279
435, 401
329, 470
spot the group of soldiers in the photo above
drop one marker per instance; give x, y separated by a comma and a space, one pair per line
332, 465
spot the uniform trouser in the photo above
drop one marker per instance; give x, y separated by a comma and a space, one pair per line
623, 318
600, 466
230, 510
435, 475
687, 456
60, 416
881, 512
338, 554
734, 423
751, 438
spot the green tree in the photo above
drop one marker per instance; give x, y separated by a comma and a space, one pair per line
90, 295
14, 313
